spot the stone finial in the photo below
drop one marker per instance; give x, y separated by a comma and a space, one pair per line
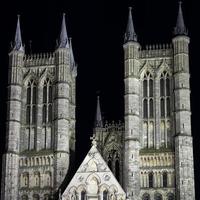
63, 41
180, 28
18, 38
130, 34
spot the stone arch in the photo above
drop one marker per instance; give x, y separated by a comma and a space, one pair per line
146, 68
37, 179
36, 197
163, 67
44, 76
92, 183
146, 196
30, 76
158, 196
24, 197
170, 196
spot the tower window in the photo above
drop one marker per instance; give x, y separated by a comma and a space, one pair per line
158, 196
145, 108
105, 195
150, 180
146, 196
165, 179
83, 195
117, 170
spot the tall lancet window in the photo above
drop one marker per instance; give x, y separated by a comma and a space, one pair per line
105, 195
47, 114
31, 115
148, 110
165, 109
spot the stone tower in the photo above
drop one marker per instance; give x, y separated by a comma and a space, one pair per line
154, 145
131, 112
183, 139
40, 120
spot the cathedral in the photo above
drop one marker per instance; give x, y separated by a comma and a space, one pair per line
148, 156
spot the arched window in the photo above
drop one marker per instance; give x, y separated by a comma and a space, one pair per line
28, 112
146, 196
151, 180
162, 107
24, 197
45, 93
110, 164
145, 108
157, 196
167, 86
44, 111
36, 197
34, 114
151, 108
170, 196
150, 88
168, 107
47, 101
117, 170
25, 179
47, 114
46, 197
162, 87
50, 113
165, 179
31, 114
145, 88
83, 195
148, 108
105, 195
145, 136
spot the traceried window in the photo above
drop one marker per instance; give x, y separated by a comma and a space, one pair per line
148, 110
165, 109
31, 114
113, 160
47, 113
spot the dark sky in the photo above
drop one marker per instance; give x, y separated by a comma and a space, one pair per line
97, 29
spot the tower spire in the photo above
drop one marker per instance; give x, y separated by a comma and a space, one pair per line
63, 42
180, 28
98, 120
18, 38
130, 34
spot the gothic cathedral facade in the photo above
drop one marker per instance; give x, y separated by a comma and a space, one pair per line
148, 156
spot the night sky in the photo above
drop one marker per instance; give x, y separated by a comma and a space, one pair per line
97, 29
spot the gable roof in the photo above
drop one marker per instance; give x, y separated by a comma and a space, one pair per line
94, 172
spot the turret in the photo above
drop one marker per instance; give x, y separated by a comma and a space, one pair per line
13, 124
62, 105
131, 169
182, 114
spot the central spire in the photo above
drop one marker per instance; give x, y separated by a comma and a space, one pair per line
180, 28
130, 34
98, 120
63, 42
18, 38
